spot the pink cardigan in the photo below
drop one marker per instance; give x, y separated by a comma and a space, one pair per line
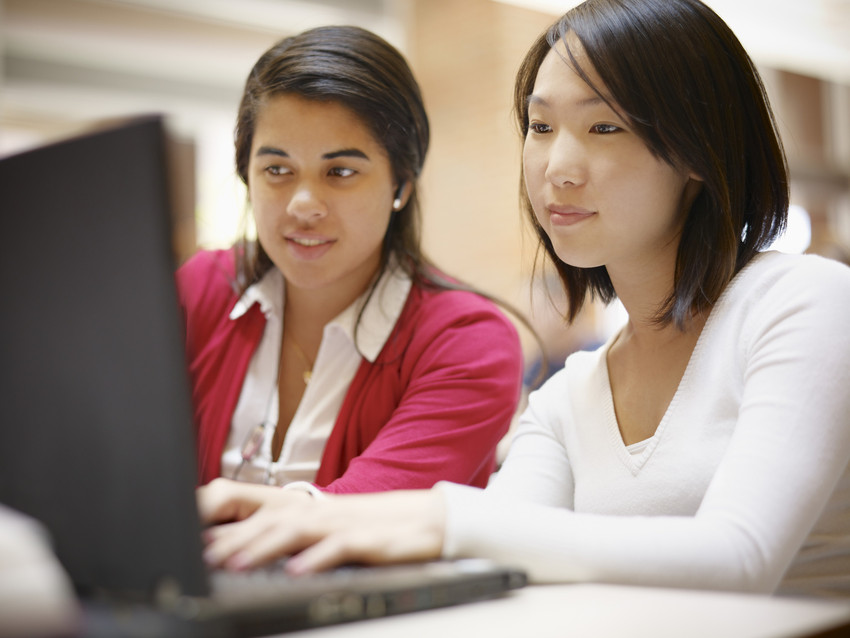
433, 405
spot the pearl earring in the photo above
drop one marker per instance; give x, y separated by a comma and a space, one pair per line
397, 200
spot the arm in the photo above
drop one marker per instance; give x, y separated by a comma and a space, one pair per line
790, 447
218, 350
537, 468
434, 405
204, 293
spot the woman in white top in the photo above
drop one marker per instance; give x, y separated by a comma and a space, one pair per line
706, 445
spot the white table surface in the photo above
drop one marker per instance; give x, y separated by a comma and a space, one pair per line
603, 611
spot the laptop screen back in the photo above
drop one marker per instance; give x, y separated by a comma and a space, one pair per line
97, 440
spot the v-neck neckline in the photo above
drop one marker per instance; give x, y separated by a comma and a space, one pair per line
636, 461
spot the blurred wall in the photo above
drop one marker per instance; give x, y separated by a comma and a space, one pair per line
466, 55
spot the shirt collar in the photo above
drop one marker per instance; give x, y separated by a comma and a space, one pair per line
268, 292
382, 310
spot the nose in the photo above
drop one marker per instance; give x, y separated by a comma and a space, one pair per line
566, 161
306, 203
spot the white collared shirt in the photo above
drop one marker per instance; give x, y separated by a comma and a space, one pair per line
336, 364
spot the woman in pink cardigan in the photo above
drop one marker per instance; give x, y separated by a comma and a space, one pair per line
329, 354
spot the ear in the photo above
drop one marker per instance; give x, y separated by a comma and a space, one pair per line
692, 189
402, 195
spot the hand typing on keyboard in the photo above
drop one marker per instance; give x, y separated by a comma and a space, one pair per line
318, 534
223, 500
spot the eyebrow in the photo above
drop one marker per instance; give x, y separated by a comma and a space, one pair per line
584, 103
345, 152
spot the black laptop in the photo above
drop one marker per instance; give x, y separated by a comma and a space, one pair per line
97, 439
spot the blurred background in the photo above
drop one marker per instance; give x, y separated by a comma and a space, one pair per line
68, 65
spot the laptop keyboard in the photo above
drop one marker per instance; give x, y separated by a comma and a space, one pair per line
272, 581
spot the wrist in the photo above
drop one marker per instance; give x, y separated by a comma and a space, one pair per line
305, 487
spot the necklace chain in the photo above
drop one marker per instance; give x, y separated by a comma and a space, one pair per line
308, 373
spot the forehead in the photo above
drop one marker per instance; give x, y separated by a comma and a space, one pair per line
292, 118
558, 79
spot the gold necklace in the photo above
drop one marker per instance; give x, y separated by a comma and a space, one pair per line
308, 373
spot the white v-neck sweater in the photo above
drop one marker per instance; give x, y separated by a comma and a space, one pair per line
745, 484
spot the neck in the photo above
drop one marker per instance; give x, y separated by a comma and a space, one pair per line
652, 338
306, 308
642, 303
643, 287
318, 306
306, 312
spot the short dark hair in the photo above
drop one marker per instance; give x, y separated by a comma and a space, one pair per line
682, 79
359, 70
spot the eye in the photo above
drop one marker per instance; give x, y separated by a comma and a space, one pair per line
340, 171
604, 129
277, 171
539, 128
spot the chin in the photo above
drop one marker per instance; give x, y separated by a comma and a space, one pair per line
576, 260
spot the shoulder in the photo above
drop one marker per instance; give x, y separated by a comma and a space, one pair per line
779, 278
463, 321
207, 279
205, 264
441, 308
577, 388
779, 294
772, 268
454, 325
580, 376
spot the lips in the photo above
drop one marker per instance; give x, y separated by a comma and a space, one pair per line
308, 241
567, 215
308, 247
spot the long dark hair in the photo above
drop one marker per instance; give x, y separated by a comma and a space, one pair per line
682, 79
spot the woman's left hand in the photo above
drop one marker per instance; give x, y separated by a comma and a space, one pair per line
390, 527
225, 500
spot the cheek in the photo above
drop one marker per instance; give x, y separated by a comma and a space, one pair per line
376, 230
530, 165
533, 171
257, 210
670, 192
261, 204
648, 189
367, 223
260, 221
